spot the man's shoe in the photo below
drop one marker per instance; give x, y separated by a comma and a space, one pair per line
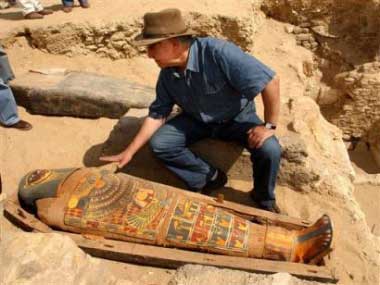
218, 182
67, 9
21, 125
272, 208
45, 12
12, 2
33, 16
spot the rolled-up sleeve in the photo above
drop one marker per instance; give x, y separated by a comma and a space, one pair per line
244, 72
163, 104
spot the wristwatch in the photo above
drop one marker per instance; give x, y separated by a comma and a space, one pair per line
270, 126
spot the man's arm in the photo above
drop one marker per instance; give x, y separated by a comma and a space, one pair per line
271, 99
148, 128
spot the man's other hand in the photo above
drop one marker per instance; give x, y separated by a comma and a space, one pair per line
258, 135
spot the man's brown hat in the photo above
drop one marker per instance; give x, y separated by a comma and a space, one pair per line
162, 25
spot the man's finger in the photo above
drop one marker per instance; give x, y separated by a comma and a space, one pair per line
122, 163
260, 143
254, 140
109, 158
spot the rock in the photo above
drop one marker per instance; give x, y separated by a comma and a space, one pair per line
328, 96
297, 30
207, 275
289, 29
118, 36
36, 258
305, 25
295, 170
314, 155
293, 149
306, 44
4, 5
80, 94
322, 31
304, 37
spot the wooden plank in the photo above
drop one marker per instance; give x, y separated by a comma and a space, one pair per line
167, 257
22, 218
174, 258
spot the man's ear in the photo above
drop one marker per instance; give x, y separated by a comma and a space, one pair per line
176, 43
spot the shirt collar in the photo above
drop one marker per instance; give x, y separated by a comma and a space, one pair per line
192, 61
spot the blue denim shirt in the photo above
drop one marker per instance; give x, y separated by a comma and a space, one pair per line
219, 83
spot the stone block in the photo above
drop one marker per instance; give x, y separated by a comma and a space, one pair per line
79, 94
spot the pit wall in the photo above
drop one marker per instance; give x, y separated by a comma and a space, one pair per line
345, 31
345, 39
115, 39
359, 101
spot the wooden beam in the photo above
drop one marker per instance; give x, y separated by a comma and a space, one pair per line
174, 258
23, 219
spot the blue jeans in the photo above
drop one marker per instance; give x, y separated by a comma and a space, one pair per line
170, 144
70, 3
8, 106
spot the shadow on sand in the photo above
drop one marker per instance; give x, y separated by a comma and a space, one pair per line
145, 165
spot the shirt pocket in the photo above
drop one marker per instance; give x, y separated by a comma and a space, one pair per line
219, 100
214, 82
215, 88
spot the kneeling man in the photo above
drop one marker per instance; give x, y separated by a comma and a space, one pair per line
214, 83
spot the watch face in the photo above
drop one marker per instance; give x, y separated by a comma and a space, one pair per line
270, 126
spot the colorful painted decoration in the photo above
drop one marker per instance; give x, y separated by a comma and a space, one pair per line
199, 224
39, 176
105, 202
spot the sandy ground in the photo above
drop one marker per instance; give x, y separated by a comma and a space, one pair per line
57, 142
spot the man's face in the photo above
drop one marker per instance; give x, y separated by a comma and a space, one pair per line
165, 53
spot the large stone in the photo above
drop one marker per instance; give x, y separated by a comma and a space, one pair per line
79, 94
207, 275
31, 258
314, 155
